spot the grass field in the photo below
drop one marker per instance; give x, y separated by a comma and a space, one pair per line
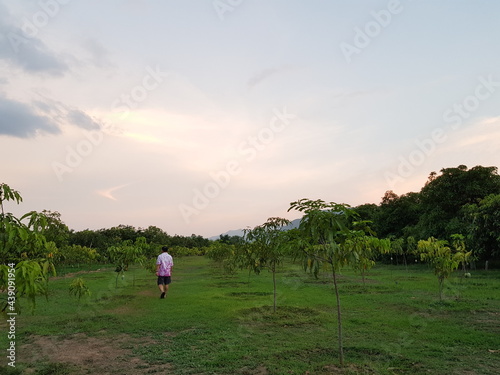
212, 323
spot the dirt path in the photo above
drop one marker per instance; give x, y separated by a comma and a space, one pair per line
90, 355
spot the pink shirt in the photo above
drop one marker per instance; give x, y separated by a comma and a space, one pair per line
166, 263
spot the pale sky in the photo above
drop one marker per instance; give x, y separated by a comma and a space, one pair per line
201, 116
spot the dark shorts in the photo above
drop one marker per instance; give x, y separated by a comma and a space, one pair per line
164, 280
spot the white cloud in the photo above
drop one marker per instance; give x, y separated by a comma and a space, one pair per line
109, 193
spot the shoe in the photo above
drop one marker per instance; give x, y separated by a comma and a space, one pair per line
162, 295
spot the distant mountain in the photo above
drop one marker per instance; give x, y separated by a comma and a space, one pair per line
239, 232
230, 233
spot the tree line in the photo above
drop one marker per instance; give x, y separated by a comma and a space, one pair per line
455, 201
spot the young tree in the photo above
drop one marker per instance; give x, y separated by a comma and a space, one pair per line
78, 288
441, 257
325, 230
398, 248
126, 254
224, 255
463, 256
94, 239
267, 243
24, 248
365, 249
76, 255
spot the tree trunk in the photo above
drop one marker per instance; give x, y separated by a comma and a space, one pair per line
339, 319
274, 289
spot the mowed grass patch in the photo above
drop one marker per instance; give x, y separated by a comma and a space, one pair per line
212, 323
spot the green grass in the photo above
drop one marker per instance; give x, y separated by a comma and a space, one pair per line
216, 324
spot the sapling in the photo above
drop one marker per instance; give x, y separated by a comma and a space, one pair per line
78, 288
324, 241
441, 257
268, 246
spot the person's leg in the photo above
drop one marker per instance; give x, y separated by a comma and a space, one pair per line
167, 282
161, 286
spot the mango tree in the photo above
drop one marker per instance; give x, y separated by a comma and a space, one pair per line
24, 253
268, 245
324, 231
78, 288
126, 254
397, 248
76, 255
224, 256
483, 232
441, 258
365, 248
463, 256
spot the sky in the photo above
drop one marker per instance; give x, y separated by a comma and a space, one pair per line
202, 116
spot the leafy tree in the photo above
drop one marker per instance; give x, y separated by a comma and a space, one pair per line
76, 255
442, 258
126, 254
483, 231
188, 241
324, 230
120, 233
368, 211
179, 251
397, 214
397, 248
458, 242
92, 239
224, 255
365, 248
24, 248
78, 288
268, 244
56, 231
231, 240
154, 235
444, 195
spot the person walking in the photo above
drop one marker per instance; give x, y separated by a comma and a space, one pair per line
164, 265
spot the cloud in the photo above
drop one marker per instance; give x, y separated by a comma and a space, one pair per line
98, 54
480, 136
26, 52
108, 192
43, 116
266, 73
64, 114
20, 120
82, 120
